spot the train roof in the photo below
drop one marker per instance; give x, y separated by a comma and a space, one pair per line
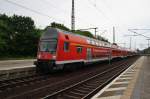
67, 32
54, 33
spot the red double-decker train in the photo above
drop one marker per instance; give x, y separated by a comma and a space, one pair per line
58, 49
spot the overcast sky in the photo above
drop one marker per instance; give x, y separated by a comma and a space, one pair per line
104, 14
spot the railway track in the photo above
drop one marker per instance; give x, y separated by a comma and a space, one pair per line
4, 85
87, 88
41, 85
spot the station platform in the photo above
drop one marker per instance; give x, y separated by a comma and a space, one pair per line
13, 64
11, 69
133, 83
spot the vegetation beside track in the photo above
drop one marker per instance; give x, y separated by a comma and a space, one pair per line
146, 51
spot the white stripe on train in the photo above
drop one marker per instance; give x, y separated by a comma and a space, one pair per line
85, 61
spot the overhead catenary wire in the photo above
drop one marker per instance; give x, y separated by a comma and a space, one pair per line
63, 11
46, 2
100, 11
29, 9
41, 13
38, 12
132, 30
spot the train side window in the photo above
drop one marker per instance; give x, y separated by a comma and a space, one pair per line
66, 46
79, 49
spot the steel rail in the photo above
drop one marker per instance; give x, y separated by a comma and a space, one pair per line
56, 94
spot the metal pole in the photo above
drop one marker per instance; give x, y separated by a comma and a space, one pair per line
135, 45
110, 55
148, 42
95, 29
130, 42
124, 45
95, 32
73, 16
113, 34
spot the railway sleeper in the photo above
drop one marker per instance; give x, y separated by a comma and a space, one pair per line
94, 84
85, 88
76, 93
81, 91
3, 85
66, 96
88, 86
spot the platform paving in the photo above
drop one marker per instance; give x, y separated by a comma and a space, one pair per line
13, 64
12, 69
142, 87
133, 83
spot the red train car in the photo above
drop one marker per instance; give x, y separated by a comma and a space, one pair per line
58, 48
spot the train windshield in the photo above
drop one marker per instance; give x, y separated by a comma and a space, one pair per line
48, 41
48, 46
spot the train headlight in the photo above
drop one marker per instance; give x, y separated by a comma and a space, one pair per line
39, 56
53, 57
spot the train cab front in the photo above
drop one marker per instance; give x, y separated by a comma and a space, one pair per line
47, 48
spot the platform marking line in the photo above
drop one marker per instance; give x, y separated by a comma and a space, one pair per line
111, 97
123, 76
125, 82
131, 72
128, 74
115, 89
128, 78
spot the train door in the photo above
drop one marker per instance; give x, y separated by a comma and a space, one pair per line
89, 54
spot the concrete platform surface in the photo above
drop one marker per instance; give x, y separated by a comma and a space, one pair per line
133, 83
12, 69
142, 87
13, 64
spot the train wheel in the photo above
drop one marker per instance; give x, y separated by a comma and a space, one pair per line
38, 70
69, 67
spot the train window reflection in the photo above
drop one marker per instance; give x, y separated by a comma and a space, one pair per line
48, 46
79, 49
66, 46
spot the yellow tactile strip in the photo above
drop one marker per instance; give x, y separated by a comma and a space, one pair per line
122, 86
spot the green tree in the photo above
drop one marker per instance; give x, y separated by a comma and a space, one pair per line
60, 26
24, 36
102, 38
4, 30
84, 33
18, 36
146, 51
